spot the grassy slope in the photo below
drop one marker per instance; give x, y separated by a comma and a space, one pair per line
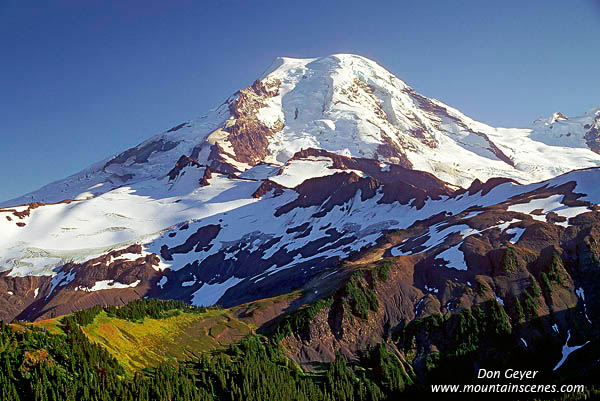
144, 344
138, 345
52, 325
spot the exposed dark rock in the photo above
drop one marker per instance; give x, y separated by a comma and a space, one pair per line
183, 162
200, 240
248, 135
142, 152
177, 127
266, 187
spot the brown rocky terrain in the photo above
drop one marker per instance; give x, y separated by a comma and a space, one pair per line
248, 135
536, 282
43, 297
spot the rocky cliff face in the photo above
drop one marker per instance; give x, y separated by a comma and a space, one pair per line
516, 294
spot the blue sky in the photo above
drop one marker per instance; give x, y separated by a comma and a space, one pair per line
81, 80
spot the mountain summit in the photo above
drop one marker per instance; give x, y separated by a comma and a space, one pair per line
348, 105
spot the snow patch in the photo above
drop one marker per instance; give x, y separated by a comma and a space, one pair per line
548, 205
209, 294
298, 171
581, 294
566, 351
454, 257
163, 280
431, 289
500, 301
517, 232
107, 285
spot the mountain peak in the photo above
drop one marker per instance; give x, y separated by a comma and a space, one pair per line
340, 64
348, 105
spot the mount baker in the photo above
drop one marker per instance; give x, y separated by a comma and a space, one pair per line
320, 165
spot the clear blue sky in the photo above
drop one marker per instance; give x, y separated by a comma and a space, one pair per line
81, 80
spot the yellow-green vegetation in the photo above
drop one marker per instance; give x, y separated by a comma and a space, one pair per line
509, 263
51, 325
147, 343
174, 336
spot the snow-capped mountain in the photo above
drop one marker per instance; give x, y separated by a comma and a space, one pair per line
314, 163
348, 105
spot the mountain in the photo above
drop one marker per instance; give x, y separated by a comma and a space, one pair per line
351, 106
374, 208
